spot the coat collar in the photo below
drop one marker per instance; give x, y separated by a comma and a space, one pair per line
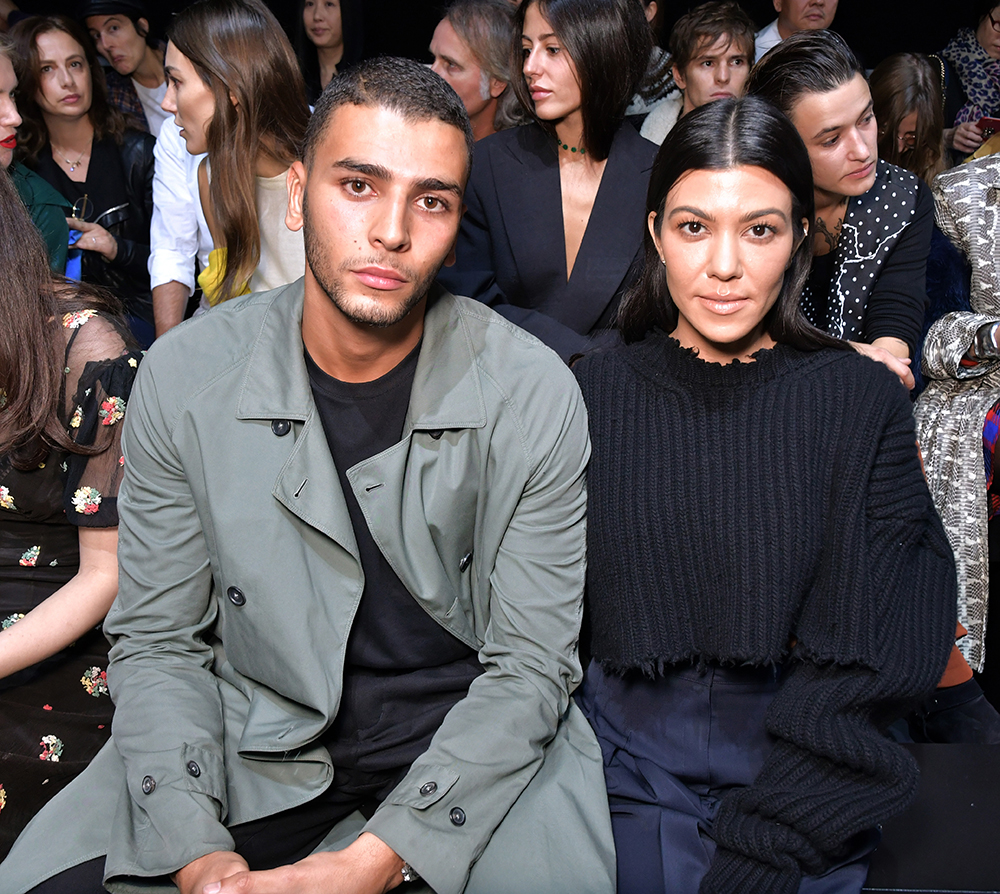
447, 391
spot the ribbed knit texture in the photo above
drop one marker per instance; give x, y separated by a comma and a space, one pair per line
736, 509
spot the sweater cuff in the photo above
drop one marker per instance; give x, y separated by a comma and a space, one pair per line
734, 873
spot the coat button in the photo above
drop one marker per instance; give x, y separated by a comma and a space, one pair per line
236, 596
457, 816
193, 769
428, 788
436, 434
465, 562
281, 427
148, 784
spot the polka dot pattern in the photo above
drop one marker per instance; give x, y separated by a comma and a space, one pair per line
865, 243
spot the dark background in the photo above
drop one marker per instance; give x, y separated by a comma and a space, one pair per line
875, 28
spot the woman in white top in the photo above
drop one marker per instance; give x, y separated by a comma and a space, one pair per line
235, 90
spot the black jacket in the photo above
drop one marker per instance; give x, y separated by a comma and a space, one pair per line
128, 165
511, 250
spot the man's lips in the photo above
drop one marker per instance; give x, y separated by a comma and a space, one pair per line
381, 278
10, 142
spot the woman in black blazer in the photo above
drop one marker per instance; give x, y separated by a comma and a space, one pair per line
552, 234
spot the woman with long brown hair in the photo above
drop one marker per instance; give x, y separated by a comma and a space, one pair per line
76, 141
909, 109
66, 371
235, 90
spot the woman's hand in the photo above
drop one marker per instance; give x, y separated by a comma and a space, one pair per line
93, 237
893, 353
966, 137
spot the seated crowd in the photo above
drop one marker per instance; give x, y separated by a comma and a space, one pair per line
573, 471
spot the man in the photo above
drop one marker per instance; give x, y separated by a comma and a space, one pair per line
710, 50
120, 31
351, 566
795, 15
471, 50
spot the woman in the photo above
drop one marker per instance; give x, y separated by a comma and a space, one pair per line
873, 220
66, 373
909, 111
47, 208
553, 224
234, 89
760, 600
329, 39
80, 145
973, 54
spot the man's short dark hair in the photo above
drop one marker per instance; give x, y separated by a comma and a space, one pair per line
400, 85
705, 24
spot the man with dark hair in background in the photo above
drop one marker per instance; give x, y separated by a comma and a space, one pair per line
352, 564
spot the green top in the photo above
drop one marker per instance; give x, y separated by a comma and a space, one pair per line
48, 210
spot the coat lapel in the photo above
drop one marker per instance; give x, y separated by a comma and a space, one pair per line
615, 229
276, 387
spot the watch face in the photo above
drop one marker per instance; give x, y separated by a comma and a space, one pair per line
410, 874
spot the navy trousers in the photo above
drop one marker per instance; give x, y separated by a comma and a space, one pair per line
672, 749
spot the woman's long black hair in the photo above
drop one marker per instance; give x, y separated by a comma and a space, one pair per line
721, 135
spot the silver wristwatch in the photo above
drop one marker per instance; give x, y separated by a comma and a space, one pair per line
409, 873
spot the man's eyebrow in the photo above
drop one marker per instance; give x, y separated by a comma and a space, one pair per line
836, 127
435, 185
378, 172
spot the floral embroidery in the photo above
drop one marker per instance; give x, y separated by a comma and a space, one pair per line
6, 500
132, 362
76, 319
30, 556
53, 563
87, 500
52, 748
77, 418
63, 465
41, 465
95, 681
112, 410
3, 797
121, 460
10, 620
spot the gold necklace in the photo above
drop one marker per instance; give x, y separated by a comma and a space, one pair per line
72, 164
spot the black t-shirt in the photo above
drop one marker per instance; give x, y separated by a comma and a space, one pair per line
403, 671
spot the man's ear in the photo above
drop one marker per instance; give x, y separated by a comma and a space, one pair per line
296, 184
777, 6
678, 77
142, 27
496, 87
651, 9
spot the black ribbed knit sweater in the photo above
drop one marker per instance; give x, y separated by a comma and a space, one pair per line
772, 512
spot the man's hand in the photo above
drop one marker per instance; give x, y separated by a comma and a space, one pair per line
208, 870
369, 866
892, 352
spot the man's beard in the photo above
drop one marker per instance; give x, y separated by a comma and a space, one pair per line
364, 310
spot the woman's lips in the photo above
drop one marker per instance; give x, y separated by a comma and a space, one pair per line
72, 99
724, 304
10, 142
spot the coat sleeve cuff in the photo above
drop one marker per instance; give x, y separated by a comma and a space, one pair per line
178, 804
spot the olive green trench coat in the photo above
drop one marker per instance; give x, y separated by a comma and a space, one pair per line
240, 578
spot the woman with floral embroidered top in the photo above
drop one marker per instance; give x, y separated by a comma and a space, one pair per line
66, 372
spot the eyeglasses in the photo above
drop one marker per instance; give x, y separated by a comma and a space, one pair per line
993, 21
81, 208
